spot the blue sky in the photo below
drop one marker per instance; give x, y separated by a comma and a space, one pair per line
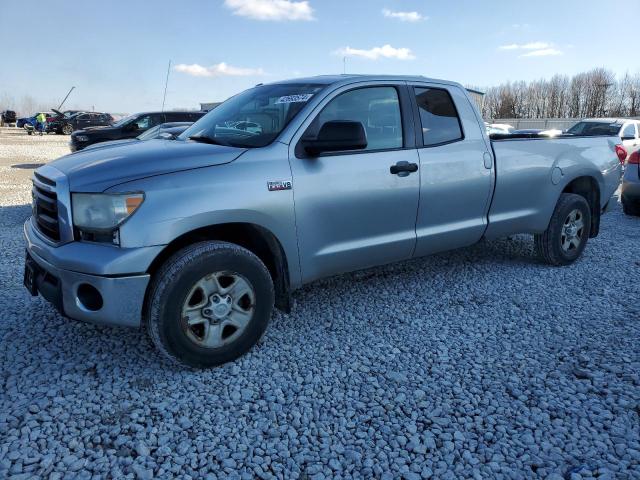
116, 52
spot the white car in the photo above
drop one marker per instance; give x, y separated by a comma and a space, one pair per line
502, 128
628, 130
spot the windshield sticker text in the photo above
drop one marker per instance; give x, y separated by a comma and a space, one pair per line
304, 97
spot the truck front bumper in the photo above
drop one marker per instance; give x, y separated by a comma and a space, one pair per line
87, 282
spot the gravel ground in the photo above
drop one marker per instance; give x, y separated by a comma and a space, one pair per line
479, 363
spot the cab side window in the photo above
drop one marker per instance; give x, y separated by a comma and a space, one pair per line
629, 131
377, 108
438, 115
148, 121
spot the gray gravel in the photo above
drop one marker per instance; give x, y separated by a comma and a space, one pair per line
479, 363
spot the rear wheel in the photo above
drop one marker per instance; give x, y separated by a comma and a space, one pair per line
209, 304
630, 208
565, 238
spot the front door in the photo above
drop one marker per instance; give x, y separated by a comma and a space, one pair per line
351, 211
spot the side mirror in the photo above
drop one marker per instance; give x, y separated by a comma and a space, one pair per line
166, 136
132, 127
628, 138
336, 136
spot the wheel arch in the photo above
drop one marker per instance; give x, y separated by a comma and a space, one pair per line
255, 238
588, 187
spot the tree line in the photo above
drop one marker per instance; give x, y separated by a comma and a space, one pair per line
596, 93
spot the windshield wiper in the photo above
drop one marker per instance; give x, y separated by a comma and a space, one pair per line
209, 140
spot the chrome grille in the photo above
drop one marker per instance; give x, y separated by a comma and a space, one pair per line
45, 207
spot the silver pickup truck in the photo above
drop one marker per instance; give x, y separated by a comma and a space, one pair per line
197, 238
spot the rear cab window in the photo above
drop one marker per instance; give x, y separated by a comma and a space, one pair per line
440, 123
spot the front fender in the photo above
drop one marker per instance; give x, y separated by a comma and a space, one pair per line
181, 202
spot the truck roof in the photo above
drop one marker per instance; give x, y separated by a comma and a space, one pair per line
353, 78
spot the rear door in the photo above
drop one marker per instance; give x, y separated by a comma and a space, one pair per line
456, 169
351, 211
82, 121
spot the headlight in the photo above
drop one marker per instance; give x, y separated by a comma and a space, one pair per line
99, 212
82, 138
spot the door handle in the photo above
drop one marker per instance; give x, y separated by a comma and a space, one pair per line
402, 169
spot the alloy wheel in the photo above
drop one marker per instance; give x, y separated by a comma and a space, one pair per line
217, 309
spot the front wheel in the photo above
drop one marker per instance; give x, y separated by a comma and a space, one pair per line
565, 238
209, 304
67, 129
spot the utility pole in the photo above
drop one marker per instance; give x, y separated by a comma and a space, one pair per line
166, 82
65, 98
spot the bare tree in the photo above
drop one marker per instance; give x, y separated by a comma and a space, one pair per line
594, 93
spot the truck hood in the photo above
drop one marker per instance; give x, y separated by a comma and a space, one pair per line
100, 169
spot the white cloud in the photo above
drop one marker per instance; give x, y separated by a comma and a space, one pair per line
545, 52
404, 16
386, 51
526, 46
274, 10
533, 49
218, 70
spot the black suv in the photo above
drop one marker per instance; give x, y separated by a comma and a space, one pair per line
8, 117
84, 120
128, 127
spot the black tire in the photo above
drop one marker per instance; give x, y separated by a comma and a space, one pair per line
549, 243
632, 209
67, 129
174, 281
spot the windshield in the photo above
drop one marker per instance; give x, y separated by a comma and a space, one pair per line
595, 128
122, 121
253, 118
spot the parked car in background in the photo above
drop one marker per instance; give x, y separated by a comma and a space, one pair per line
128, 127
23, 122
500, 128
628, 130
630, 191
85, 120
167, 131
57, 121
526, 131
536, 132
287, 183
8, 118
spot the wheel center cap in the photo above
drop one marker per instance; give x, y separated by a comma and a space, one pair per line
572, 230
218, 307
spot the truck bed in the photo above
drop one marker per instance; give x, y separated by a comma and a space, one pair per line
532, 172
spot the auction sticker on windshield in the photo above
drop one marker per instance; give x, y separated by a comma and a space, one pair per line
303, 97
